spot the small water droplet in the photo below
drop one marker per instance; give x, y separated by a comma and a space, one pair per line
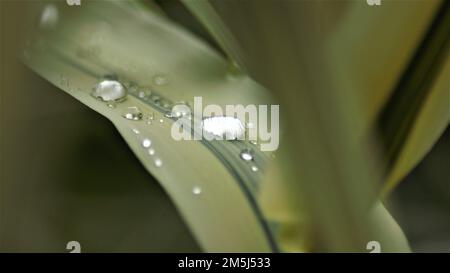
196, 190
247, 154
229, 128
132, 113
111, 104
110, 90
160, 80
254, 168
161, 120
253, 142
151, 151
150, 118
136, 131
158, 162
146, 143
181, 109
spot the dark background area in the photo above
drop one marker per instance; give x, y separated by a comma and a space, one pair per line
421, 203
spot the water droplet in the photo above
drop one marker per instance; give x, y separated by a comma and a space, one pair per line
181, 109
49, 17
136, 131
229, 128
111, 104
161, 120
132, 113
196, 190
158, 162
253, 142
150, 118
160, 80
151, 151
247, 154
110, 90
146, 143
254, 168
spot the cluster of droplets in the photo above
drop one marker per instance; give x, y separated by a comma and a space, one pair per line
147, 94
147, 144
111, 91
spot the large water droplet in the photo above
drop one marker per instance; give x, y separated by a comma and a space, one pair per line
229, 128
132, 113
110, 90
196, 190
247, 154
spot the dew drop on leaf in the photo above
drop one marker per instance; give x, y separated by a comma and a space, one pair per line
146, 143
180, 109
132, 113
247, 154
196, 190
158, 162
110, 90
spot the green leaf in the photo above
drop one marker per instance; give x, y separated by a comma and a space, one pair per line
117, 38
